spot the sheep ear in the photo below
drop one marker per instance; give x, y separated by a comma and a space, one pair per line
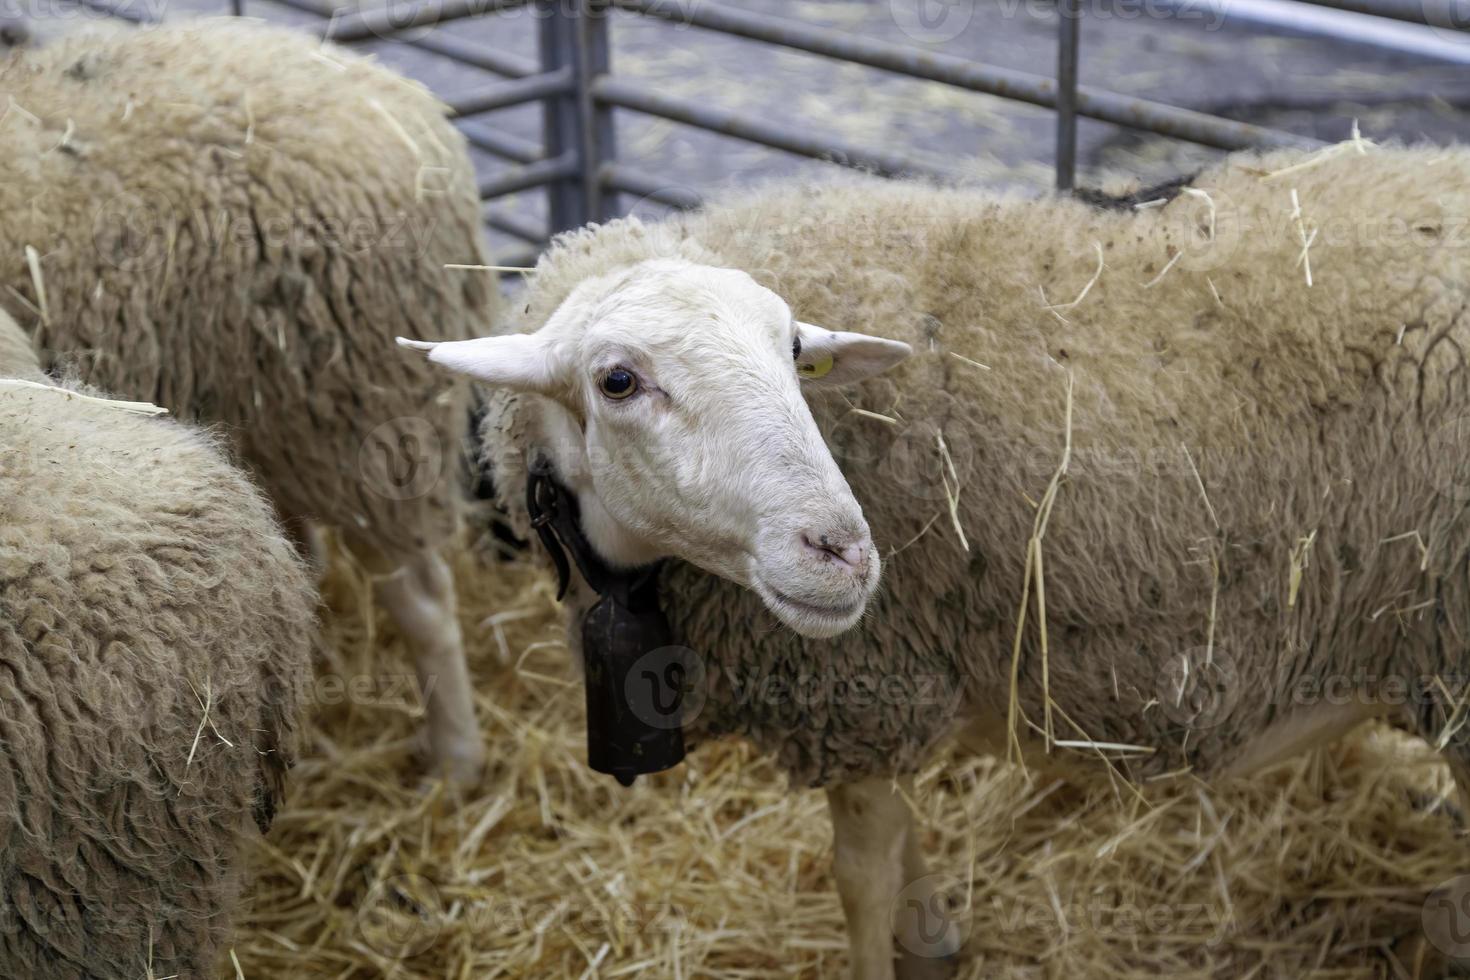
521, 362
837, 358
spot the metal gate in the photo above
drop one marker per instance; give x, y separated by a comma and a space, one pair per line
577, 163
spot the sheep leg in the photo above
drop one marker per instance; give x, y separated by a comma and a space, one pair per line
1299, 733
1460, 768
1441, 947
420, 598
870, 823
310, 542
1457, 754
928, 936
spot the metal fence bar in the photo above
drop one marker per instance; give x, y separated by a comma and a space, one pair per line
573, 81
474, 55
1434, 13
444, 45
119, 9
622, 177
1196, 127
1069, 24
561, 48
804, 142
1348, 27
503, 95
385, 22
542, 172
516, 226
505, 145
599, 140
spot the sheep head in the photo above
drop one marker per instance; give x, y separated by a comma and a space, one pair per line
676, 416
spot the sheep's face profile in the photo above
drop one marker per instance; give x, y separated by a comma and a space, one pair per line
675, 413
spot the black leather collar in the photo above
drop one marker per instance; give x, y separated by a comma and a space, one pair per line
557, 520
633, 726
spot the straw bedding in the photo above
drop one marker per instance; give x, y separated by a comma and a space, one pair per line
1319, 868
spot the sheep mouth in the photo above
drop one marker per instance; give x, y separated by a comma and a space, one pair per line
812, 619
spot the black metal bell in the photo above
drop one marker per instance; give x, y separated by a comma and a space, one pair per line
632, 728
635, 679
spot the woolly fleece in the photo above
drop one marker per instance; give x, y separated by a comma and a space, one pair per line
234, 221
1324, 423
142, 577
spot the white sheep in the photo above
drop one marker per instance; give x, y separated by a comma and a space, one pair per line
231, 220
1172, 490
155, 648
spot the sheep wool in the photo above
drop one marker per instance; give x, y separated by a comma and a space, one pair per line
234, 221
1249, 398
155, 627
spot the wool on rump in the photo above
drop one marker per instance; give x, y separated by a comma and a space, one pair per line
156, 631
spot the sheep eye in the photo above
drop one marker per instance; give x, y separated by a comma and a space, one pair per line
795, 348
619, 384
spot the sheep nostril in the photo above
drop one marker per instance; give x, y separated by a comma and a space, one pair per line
855, 555
852, 557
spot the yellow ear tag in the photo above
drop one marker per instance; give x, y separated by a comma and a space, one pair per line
817, 368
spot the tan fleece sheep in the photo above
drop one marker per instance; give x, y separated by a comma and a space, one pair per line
1259, 537
155, 632
233, 221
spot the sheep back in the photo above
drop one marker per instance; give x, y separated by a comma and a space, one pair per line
234, 221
